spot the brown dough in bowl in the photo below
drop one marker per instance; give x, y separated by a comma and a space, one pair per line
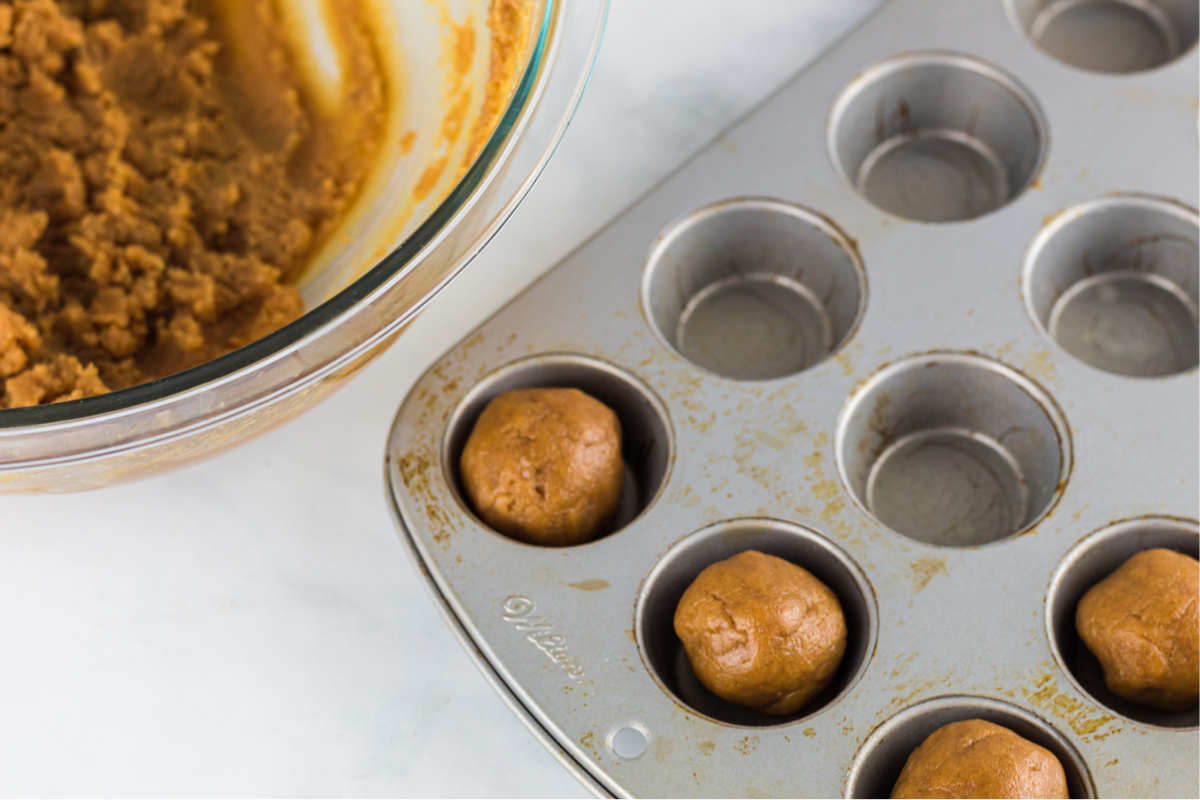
761, 632
544, 466
163, 178
975, 758
1141, 623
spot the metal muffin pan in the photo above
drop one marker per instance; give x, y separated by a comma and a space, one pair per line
924, 323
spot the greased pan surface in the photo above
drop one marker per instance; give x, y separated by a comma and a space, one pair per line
960, 389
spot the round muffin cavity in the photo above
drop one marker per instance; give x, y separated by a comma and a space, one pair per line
1141, 624
976, 758
544, 466
761, 632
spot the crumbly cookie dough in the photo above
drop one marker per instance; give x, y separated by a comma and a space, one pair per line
1142, 625
975, 758
544, 466
162, 178
761, 632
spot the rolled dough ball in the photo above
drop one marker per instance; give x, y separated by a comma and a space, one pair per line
1141, 623
761, 632
544, 466
975, 758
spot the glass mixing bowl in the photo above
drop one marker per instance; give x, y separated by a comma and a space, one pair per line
388, 258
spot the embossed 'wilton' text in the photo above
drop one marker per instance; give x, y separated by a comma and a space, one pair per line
540, 631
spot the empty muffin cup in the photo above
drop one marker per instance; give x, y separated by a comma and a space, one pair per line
1114, 36
753, 289
1116, 283
646, 441
1088, 563
882, 757
663, 587
936, 137
953, 449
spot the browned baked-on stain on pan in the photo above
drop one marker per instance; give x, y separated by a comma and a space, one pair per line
590, 585
1085, 719
747, 745
924, 570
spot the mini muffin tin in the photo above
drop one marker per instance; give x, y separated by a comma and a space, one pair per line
925, 323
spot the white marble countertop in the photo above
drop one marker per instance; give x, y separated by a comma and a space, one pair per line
251, 625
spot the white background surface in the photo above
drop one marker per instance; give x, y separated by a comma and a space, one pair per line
251, 625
